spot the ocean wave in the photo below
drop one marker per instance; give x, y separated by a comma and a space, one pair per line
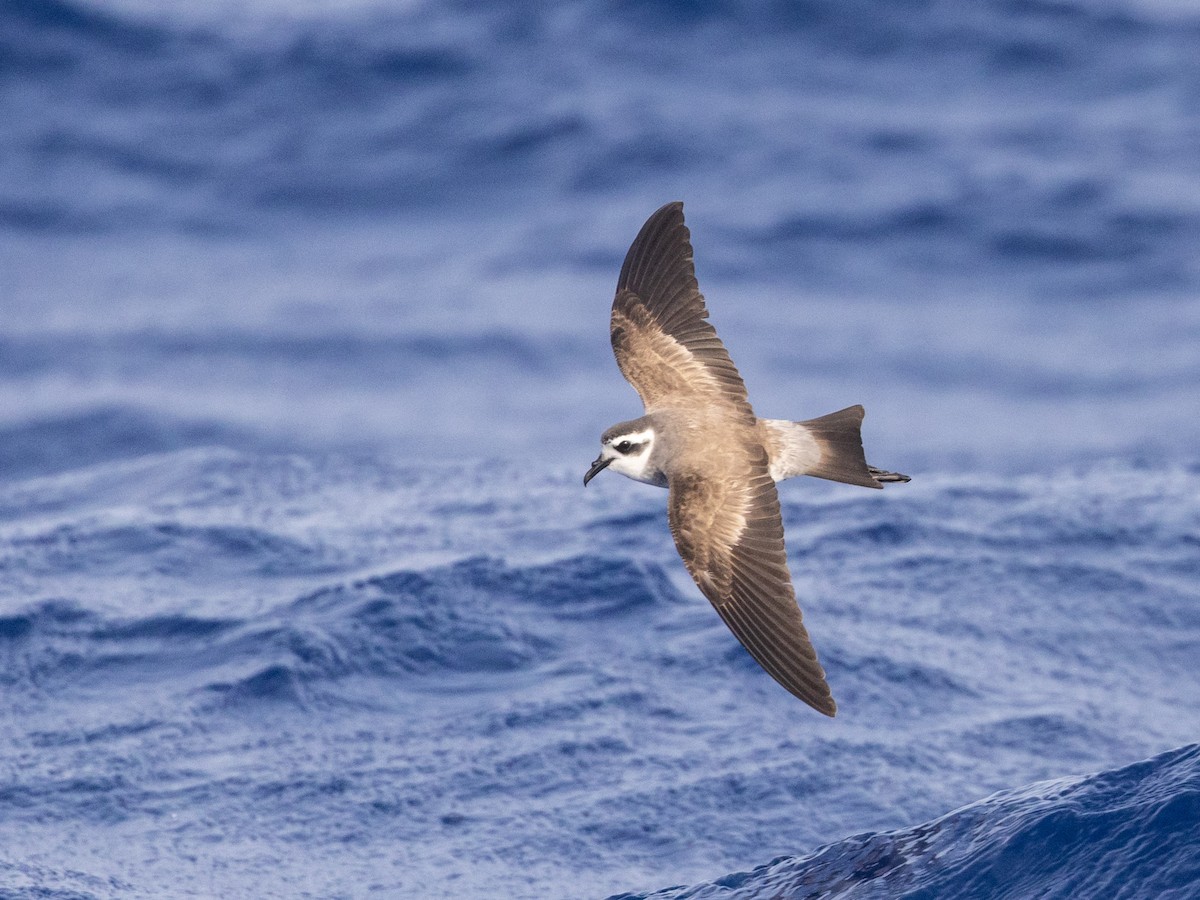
104, 547
52, 35
477, 619
368, 112
1123, 833
29, 880
371, 356
44, 446
366, 652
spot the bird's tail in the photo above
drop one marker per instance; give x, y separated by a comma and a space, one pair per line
839, 451
888, 477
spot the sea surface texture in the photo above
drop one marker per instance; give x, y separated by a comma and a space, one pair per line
304, 353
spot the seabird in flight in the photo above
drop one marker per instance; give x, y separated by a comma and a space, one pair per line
700, 439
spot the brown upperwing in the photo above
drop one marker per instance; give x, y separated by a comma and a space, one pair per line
661, 338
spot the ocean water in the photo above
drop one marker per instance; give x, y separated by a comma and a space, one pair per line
303, 354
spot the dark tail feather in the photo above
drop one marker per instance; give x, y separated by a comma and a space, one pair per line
839, 435
880, 475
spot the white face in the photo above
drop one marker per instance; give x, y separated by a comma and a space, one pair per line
630, 455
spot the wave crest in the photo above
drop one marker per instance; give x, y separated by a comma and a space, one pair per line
1096, 836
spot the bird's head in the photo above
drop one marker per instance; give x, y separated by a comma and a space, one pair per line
627, 448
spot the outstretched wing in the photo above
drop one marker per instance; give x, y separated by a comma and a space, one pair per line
663, 342
730, 535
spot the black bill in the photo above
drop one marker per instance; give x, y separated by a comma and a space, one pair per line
597, 466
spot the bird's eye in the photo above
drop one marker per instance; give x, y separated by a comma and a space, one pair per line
623, 447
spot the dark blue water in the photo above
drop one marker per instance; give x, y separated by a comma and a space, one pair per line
303, 353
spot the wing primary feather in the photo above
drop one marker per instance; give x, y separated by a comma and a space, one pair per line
649, 248
808, 684
809, 678
779, 627
748, 636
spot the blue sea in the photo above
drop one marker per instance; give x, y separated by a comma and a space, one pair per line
304, 353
